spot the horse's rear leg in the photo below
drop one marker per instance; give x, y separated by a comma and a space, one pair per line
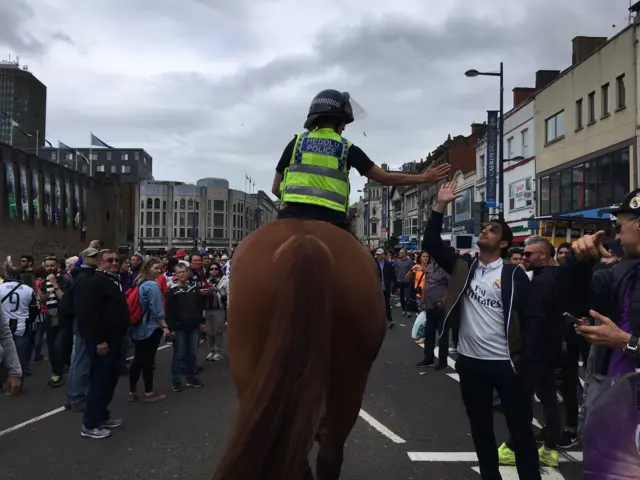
343, 407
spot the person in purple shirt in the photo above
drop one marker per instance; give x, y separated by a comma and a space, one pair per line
612, 298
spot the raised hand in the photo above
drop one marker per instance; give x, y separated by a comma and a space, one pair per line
447, 193
433, 174
590, 247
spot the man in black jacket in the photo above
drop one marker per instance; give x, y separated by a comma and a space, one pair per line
387, 277
103, 320
487, 302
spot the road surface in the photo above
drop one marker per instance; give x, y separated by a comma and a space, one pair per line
413, 426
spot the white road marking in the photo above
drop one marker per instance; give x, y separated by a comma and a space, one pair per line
565, 457
52, 412
511, 473
381, 428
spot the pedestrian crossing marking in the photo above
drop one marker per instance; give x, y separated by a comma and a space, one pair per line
511, 473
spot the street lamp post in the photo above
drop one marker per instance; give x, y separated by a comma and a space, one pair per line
476, 73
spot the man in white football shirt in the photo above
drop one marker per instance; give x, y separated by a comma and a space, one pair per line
19, 307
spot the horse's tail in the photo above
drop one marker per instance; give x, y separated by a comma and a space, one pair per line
281, 409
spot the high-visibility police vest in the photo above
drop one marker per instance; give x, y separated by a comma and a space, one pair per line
318, 173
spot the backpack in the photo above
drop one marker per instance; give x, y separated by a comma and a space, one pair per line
133, 302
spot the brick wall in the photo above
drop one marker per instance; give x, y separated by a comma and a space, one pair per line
28, 231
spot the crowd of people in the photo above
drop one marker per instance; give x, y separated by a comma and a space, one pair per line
97, 309
522, 320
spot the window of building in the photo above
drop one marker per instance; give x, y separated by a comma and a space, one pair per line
183, 219
208, 204
565, 186
124, 157
54, 156
136, 156
142, 232
605, 186
579, 114
156, 203
621, 93
554, 127
480, 172
109, 156
577, 174
586, 186
156, 218
175, 218
144, 159
374, 228
164, 232
149, 203
141, 218
69, 156
190, 205
92, 156
555, 192
126, 169
100, 168
524, 138
191, 218
175, 232
182, 232
114, 169
156, 232
604, 93
164, 204
183, 204
149, 218
189, 232
509, 147
592, 107
149, 232
218, 205
141, 203
590, 170
164, 218
218, 233
218, 219
414, 226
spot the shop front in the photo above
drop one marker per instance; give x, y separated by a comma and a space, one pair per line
571, 226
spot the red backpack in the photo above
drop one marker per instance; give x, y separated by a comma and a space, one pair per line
133, 302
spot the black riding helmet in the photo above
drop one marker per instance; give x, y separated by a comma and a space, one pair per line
329, 103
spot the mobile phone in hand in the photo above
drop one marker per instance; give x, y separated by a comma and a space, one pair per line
577, 321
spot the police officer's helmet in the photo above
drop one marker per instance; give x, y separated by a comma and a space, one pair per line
330, 103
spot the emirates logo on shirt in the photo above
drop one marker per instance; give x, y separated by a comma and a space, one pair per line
479, 294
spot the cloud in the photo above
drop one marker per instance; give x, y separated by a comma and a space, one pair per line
215, 88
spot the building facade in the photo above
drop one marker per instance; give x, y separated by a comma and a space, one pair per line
585, 136
206, 215
133, 165
46, 209
24, 99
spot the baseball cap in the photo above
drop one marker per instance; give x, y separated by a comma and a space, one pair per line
379, 251
181, 253
89, 253
630, 204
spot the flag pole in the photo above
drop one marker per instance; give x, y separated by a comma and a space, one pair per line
76, 161
90, 151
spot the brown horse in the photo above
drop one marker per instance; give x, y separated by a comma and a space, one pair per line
306, 322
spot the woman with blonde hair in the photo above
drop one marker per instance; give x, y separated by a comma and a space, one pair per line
147, 334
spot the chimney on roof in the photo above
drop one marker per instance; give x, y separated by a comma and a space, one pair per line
545, 77
477, 129
522, 94
585, 46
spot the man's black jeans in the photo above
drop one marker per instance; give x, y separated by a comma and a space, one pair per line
478, 378
103, 378
433, 325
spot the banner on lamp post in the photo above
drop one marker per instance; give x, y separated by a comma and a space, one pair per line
492, 159
385, 202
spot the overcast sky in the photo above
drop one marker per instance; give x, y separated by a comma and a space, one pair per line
217, 88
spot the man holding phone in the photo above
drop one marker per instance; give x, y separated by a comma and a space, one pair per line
612, 297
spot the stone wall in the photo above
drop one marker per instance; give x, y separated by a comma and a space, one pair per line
32, 219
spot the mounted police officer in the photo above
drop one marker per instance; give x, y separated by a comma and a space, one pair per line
312, 176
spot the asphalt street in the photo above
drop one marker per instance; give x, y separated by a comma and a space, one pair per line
413, 426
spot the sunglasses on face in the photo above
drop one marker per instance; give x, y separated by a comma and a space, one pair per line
528, 254
214, 269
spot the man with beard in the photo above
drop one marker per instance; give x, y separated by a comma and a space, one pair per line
487, 302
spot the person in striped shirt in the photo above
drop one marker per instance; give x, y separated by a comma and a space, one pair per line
52, 290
